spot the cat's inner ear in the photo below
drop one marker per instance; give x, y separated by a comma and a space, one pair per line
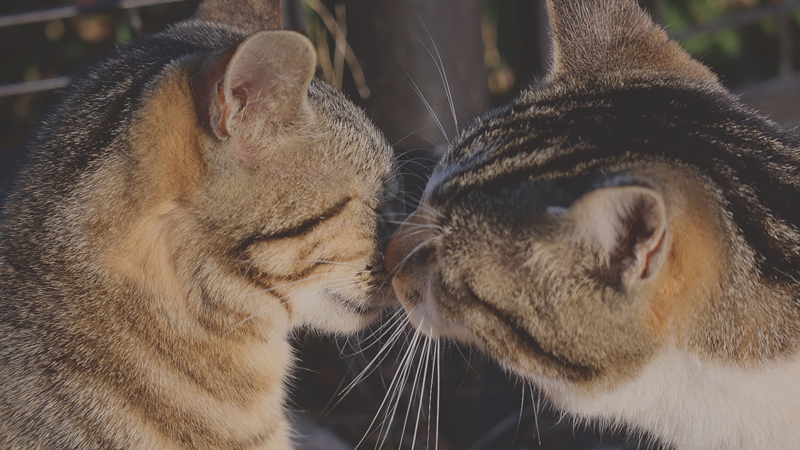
264, 82
596, 38
627, 225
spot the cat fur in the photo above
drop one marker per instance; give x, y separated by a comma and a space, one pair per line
625, 235
170, 233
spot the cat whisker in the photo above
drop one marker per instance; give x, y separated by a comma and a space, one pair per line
397, 393
424, 179
296, 261
439, 67
401, 323
403, 262
430, 141
282, 300
426, 351
290, 283
418, 159
430, 396
413, 393
380, 332
417, 91
408, 136
521, 409
439, 390
429, 209
417, 225
389, 393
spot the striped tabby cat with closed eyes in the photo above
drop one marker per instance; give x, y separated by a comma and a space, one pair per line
625, 235
194, 199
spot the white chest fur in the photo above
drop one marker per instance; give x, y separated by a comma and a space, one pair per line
693, 404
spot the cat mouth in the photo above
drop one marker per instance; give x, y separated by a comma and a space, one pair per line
368, 309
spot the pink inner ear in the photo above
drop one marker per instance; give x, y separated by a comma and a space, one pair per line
268, 77
650, 219
224, 112
648, 250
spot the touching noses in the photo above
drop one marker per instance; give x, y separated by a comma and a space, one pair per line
408, 241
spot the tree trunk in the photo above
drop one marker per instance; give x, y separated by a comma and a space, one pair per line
400, 44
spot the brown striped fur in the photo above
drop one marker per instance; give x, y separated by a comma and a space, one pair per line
625, 235
194, 200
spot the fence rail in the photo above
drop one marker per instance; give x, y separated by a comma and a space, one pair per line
67, 12
73, 11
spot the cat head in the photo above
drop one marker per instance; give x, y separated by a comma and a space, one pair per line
606, 213
217, 176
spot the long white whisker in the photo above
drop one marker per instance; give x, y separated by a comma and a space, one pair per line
409, 135
386, 397
426, 350
382, 353
417, 225
430, 397
411, 253
427, 105
439, 67
293, 261
290, 283
521, 408
439, 389
536, 415
430, 209
397, 392
413, 392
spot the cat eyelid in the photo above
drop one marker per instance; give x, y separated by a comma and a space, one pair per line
305, 227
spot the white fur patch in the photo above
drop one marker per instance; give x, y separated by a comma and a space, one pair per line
698, 405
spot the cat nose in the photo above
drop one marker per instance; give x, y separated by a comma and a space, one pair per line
409, 238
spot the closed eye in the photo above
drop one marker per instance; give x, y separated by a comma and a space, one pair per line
302, 229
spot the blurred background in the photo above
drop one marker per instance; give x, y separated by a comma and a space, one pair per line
392, 57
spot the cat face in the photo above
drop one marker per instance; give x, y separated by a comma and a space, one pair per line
607, 214
261, 190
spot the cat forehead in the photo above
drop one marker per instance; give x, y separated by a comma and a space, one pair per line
551, 133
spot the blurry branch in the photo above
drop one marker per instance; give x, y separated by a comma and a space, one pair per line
72, 11
343, 50
738, 19
34, 86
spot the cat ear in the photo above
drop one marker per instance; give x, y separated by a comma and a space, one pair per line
592, 37
250, 15
264, 79
628, 225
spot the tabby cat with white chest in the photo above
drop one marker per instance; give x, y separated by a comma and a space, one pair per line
194, 199
626, 236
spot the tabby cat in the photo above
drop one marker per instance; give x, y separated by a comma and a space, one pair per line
194, 199
625, 235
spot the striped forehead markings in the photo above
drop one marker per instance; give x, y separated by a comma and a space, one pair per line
758, 175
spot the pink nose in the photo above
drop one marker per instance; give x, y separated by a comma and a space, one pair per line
411, 235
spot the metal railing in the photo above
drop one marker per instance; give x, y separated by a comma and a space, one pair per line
132, 6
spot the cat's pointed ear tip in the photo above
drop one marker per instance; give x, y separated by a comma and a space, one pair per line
287, 43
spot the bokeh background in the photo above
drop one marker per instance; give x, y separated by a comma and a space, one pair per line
391, 57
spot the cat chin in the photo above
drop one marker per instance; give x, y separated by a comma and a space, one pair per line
337, 313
